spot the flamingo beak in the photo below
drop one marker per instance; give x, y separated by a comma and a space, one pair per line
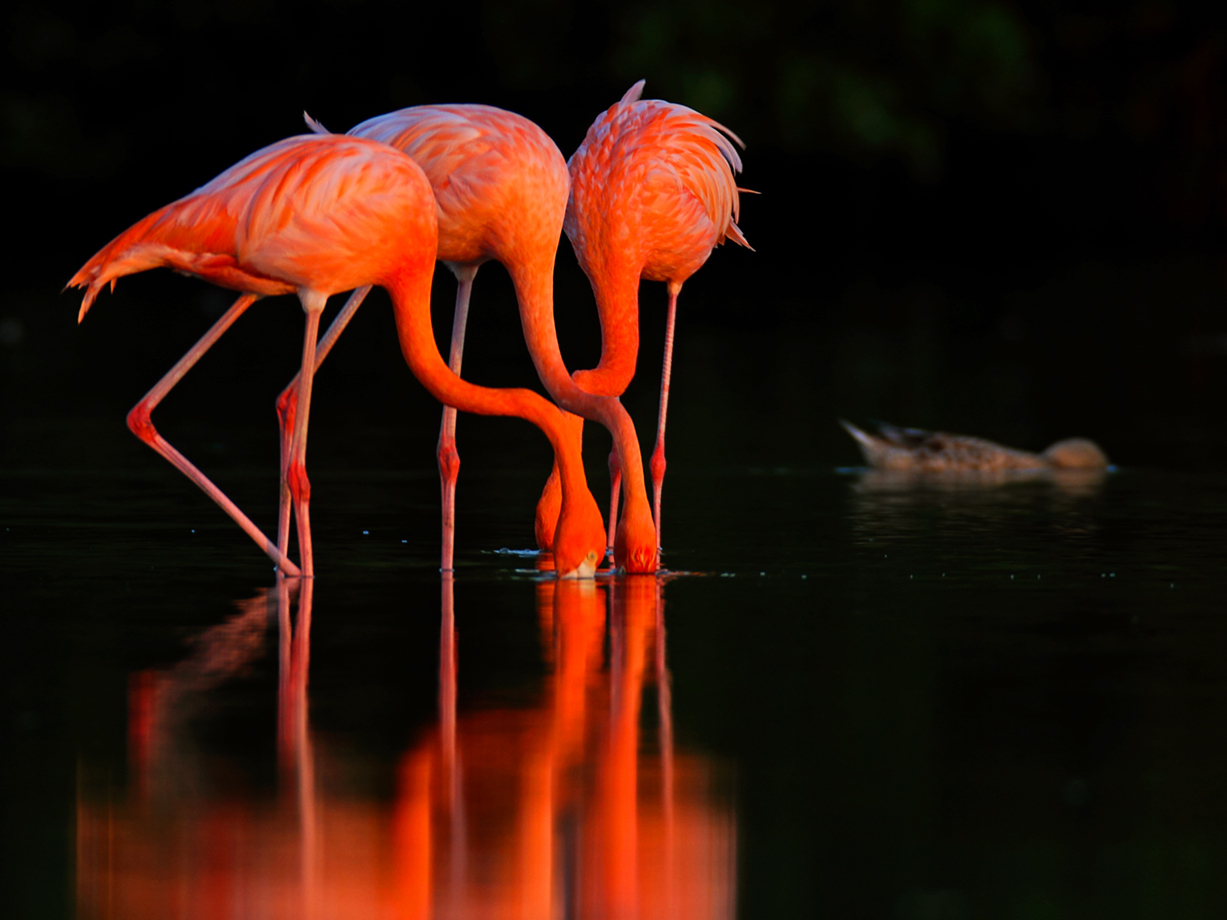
586, 569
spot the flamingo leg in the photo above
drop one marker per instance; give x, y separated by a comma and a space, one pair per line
296, 467
287, 403
615, 492
658, 454
448, 457
141, 424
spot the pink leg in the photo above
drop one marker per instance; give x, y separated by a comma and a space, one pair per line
142, 426
287, 403
615, 491
296, 467
449, 458
658, 455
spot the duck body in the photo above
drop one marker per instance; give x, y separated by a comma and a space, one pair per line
920, 451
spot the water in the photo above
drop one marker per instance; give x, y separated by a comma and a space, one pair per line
855, 697
862, 698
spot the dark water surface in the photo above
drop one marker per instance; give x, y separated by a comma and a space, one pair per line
864, 699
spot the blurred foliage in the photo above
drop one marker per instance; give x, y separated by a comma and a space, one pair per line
866, 79
878, 78
920, 129
863, 78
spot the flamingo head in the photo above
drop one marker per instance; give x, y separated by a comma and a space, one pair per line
635, 547
579, 540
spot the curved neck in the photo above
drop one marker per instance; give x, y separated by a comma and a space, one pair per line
535, 292
410, 295
617, 304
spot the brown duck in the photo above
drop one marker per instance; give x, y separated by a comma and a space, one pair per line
916, 450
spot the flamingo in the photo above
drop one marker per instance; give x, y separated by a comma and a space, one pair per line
501, 185
652, 193
315, 216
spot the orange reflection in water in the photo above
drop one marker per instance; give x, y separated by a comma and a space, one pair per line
568, 808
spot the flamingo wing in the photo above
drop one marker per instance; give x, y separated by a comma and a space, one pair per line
495, 174
668, 172
296, 214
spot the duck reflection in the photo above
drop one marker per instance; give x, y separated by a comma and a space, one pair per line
892, 503
577, 806
1069, 483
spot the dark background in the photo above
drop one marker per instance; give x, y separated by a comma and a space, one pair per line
1005, 219
999, 218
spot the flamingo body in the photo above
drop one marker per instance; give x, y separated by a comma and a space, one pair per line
501, 184
652, 193
304, 214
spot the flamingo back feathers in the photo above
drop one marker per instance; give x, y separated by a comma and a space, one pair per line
299, 214
500, 182
657, 176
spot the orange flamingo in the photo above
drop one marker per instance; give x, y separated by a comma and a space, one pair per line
316, 216
496, 177
502, 187
652, 193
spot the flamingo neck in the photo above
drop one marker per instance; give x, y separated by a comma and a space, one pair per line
410, 295
535, 293
616, 288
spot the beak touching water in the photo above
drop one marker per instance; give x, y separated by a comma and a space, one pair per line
586, 569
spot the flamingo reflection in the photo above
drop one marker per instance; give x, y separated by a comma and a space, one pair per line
576, 806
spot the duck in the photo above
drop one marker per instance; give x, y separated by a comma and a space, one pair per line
920, 451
